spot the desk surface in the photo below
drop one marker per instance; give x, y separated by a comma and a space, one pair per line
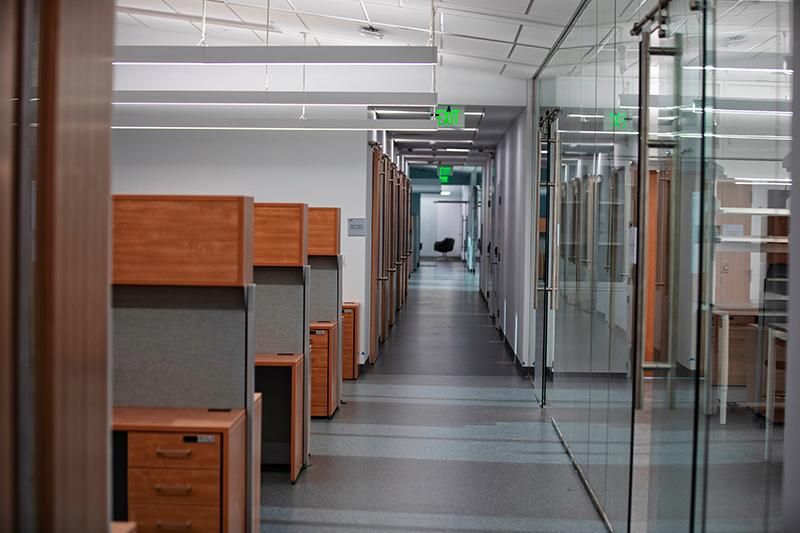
174, 419
273, 359
322, 325
123, 527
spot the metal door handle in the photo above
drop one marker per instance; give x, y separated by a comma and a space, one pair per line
392, 269
381, 278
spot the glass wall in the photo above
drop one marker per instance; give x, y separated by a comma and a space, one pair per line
662, 259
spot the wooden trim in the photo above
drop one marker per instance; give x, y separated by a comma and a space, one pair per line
279, 359
280, 233
72, 276
8, 260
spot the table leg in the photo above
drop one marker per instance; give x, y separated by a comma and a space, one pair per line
724, 356
770, 414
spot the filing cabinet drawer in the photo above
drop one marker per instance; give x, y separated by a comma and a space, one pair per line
174, 450
175, 518
170, 486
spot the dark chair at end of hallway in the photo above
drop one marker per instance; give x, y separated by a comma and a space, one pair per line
444, 246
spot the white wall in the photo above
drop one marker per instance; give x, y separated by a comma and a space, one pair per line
325, 169
514, 213
440, 220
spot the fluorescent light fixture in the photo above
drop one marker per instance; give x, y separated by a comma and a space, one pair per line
401, 112
413, 112
599, 132
579, 115
437, 150
445, 193
272, 98
746, 112
200, 123
786, 71
433, 141
607, 145
275, 55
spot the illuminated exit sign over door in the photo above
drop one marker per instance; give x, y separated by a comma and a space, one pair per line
450, 117
444, 174
617, 121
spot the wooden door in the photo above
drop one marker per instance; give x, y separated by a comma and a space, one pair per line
72, 280
385, 202
376, 274
8, 259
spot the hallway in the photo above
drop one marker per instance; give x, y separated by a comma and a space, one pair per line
442, 434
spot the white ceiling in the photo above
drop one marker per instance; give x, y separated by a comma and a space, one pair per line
505, 37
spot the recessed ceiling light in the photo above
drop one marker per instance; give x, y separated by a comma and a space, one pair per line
445, 193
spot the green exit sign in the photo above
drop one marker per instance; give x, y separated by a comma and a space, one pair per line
450, 117
444, 174
618, 121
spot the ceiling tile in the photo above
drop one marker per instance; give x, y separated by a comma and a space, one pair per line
476, 47
337, 8
479, 27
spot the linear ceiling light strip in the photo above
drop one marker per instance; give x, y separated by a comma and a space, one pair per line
282, 55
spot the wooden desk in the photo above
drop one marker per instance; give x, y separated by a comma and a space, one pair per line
274, 438
182, 468
123, 527
351, 352
324, 369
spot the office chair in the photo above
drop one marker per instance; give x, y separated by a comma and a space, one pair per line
444, 246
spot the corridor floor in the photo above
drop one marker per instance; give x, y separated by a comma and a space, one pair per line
441, 434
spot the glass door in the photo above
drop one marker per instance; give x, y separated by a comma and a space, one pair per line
545, 227
669, 336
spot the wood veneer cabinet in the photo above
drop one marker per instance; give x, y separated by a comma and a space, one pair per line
183, 240
324, 228
182, 469
280, 235
324, 369
293, 363
351, 352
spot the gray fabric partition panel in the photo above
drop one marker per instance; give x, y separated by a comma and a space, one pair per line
324, 289
179, 346
279, 310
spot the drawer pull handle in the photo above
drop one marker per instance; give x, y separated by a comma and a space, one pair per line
166, 452
173, 526
174, 489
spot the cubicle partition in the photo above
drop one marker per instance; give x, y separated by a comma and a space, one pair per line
182, 312
391, 247
281, 316
324, 250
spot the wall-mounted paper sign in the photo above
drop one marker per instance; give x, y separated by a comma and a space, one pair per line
356, 227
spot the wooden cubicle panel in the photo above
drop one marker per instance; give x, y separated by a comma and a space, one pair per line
375, 253
70, 417
182, 240
8, 261
324, 230
280, 234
